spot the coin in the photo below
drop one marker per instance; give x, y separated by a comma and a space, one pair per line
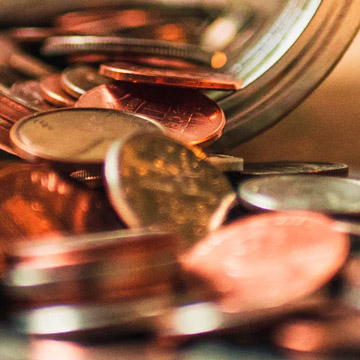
269, 260
199, 79
327, 194
76, 80
29, 34
29, 92
294, 167
187, 115
66, 45
52, 92
75, 138
12, 109
5, 143
155, 181
226, 163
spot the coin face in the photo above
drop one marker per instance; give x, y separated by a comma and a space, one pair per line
187, 115
294, 167
52, 92
76, 80
269, 260
155, 181
73, 137
199, 79
327, 194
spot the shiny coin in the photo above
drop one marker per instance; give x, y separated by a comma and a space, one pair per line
327, 194
155, 181
12, 109
226, 163
92, 179
294, 167
52, 92
66, 45
76, 80
187, 115
200, 78
29, 92
74, 137
269, 260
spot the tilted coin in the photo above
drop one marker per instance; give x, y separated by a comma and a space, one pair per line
66, 45
12, 109
5, 144
155, 181
294, 167
29, 92
29, 34
269, 260
327, 194
51, 91
187, 115
76, 80
226, 163
75, 138
198, 79
92, 179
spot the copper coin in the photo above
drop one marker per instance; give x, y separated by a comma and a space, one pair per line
52, 91
187, 115
29, 34
74, 138
29, 92
294, 168
76, 80
66, 45
5, 144
269, 260
332, 195
36, 201
200, 79
155, 181
12, 109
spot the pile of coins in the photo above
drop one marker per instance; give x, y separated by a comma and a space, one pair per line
126, 223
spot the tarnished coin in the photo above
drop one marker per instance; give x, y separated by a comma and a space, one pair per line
198, 79
155, 181
12, 109
269, 260
294, 168
75, 138
66, 45
327, 194
226, 163
187, 115
29, 92
51, 91
76, 80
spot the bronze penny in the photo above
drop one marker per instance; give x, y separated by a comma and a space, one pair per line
12, 109
75, 138
187, 115
155, 181
200, 79
76, 80
269, 260
5, 144
29, 92
52, 92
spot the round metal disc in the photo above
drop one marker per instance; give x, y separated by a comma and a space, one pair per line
327, 194
155, 181
75, 136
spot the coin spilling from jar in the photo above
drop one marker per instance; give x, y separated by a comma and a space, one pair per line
115, 216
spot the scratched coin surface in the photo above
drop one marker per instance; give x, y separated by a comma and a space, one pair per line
333, 195
52, 91
76, 80
269, 260
294, 167
75, 136
155, 181
198, 79
187, 114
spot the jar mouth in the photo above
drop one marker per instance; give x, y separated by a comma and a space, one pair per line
291, 58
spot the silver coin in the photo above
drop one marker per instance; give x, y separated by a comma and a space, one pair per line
66, 45
75, 136
327, 194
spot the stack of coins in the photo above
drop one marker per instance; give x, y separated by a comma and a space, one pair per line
125, 222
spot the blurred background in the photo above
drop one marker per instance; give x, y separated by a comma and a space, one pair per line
325, 127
